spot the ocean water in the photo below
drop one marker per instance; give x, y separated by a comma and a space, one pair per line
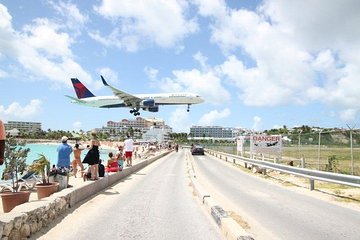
49, 150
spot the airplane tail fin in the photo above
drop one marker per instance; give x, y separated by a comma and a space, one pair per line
80, 89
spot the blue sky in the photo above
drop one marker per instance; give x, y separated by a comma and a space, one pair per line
258, 64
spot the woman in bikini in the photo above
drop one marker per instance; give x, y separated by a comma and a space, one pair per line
77, 159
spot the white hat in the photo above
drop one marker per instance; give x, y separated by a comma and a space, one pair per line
64, 138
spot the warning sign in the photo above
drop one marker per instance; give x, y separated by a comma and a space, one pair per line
265, 144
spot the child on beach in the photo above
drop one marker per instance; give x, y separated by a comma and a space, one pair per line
120, 157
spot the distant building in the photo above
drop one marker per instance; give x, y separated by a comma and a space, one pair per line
215, 132
139, 125
27, 127
159, 135
13, 132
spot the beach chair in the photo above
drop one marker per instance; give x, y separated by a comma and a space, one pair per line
29, 180
8, 186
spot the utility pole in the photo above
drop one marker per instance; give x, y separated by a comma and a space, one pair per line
319, 149
300, 144
351, 148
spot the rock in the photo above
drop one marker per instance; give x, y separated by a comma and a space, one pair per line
14, 235
33, 227
17, 223
25, 231
7, 228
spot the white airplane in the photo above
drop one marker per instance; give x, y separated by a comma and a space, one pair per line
146, 102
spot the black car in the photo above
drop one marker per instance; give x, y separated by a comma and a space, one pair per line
197, 150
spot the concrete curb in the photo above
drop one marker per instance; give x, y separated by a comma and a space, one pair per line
229, 227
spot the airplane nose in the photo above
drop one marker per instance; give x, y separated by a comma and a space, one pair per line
200, 99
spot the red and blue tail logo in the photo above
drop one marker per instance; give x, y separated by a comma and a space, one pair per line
80, 89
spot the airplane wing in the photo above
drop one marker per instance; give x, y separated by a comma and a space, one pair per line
129, 99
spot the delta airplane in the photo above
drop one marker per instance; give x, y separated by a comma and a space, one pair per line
146, 102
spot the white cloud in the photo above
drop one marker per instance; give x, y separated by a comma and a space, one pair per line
6, 32
211, 7
15, 110
257, 124
75, 20
109, 75
163, 22
296, 53
202, 60
211, 117
151, 72
207, 84
3, 74
179, 120
348, 115
45, 36
43, 48
77, 126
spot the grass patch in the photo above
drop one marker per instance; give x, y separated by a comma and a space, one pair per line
330, 186
288, 184
237, 218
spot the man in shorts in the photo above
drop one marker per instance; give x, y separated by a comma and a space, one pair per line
64, 150
128, 148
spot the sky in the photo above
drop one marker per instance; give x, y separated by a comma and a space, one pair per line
258, 64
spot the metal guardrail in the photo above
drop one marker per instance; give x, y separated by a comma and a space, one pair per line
303, 172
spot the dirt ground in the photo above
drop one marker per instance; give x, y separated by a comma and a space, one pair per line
338, 194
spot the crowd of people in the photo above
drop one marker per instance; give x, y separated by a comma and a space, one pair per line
96, 168
69, 157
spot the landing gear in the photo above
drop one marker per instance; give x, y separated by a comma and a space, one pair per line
188, 108
135, 112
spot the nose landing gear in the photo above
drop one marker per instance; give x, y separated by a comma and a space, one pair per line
188, 108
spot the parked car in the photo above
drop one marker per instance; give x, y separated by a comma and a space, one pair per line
197, 150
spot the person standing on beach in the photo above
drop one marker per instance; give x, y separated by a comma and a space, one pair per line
2, 142
77, 159
64, 150
129, 148
93, 156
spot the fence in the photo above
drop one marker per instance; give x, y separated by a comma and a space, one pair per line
312, 175
331, 151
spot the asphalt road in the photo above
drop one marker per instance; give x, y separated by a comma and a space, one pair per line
154, 203
273, 211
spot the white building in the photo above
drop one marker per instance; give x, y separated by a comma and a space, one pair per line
139, 125
160, 135
23, 126
215, 132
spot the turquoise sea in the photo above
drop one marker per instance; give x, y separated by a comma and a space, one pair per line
49, 150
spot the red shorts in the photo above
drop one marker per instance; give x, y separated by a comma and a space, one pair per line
128, 154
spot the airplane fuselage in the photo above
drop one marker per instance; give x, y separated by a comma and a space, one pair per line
136, 102
159, 99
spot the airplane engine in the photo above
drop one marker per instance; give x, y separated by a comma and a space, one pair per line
153, 109
148, 103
